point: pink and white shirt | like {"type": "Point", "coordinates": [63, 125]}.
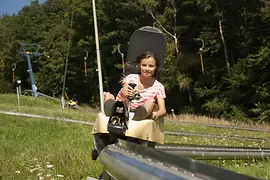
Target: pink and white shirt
{"type": "Point", "coordinates": [157, 90]}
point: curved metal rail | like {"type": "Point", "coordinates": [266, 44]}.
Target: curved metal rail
{"type": "Point", "coordinates": [217, 152]}
{"type": "Point", "coordinates": [46, 117]}
{"type": "Point", "coordinates": [50, 97]}
{"type": "Point", "coordinates": [172, 122]}
{"type": "Point", "coordinates": [210, 148]}
{"type": "Point", "coordinates": [194, 151]}
{"type": "Point", "coordinates": [221, 126]}
{"type": "Point", "coordinates": [166, 132]}
{"type": "Point", "coordinates": [126, 160]}
{"type": "Point", "coordinates": [224, 155]}
{"type": "Point", "coordinates": [53, 98]}
{"type": "Point", "coordinates": [215, 136]}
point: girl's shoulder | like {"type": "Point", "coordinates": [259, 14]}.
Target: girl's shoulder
{"type": "Point", "coordinates": [158, 84]}
{"type": "Point", "coordinates": [131, 77]}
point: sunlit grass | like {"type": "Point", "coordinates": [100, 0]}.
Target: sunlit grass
{"type": "Point", "coordinates": [255, 168]}
{"type": "Point", "coordinates": [33, 148]}
{"type": "Point", "coordinates": [210, 120]}
{"type": "Point", "coordinates": [42, 106]}
{"type": "Point", "coordinates": [220, 131]}
{"type": "Point", "coordinates": [214, 141]}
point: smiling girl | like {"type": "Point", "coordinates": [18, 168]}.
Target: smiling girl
{"type": "Point", "coordinates": [151, 103]}
{"type": "Point", "coordinates": [152, 92]}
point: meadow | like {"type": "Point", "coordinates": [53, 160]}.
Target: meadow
{"type": "Point", "coordinates": [34, 148]}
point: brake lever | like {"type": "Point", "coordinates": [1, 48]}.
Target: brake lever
{"type": "Point", "coordinates": [133, 85]}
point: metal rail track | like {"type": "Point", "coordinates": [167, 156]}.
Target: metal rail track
{"type": "Point", "coordinates": [46, 117]}
{"type": "Point", "coordinates": [126, 160]}
{"type": "Point", "coordinates": [49, 97]}
{"type": "Point", "coordinates": [176, 147]}
{"type": "Point", "coordinates": [221, 155]}
{"type": "Point", "coordinates": [53, 98]}
{"type": "Point", "coordinates": [215, 136]}
{"type": "Point", "coordinates": [194, 151]}
{"type": "Point", "coordinates": [221, 126]}
{"type": "Point", "coordinates": [216, 152]}
{"type": "Point", "coordinates": [172, 122]}
{"type": "Point", "coordinates": [166, 132]}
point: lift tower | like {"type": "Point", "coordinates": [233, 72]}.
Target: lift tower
{"type": "Point", "coordinates": [34, 51]}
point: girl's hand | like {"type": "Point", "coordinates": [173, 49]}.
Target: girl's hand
{"type": "Point", "coordinates": [155, 115]}
{"type": "Point", "coordinates": [129, 91]}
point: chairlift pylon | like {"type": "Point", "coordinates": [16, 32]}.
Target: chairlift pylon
{"type": "Point", "coordinates": [27, 54]}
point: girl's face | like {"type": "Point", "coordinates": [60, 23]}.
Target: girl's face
{"type": "Point", "coordinates": [148, 67]}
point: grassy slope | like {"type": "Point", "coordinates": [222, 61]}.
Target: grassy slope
{"type": "Point", "coordinates": [42, 106]}
{"type": "Point", "coordinates": [29, 146]}
{"type": "Point", "coordinates": [219, 131]}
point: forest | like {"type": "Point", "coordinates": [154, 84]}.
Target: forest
{"type": "Point", "coordinates": [217, 61]}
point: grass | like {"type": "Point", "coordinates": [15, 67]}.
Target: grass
{"type": "Point", "coordinates": [219, 131]}
{"type": "Point", "coordinates": [214, 141]}
{"type": "Point", "coordinates": [34, 148]}
{"type": "Point", "coordinates": [209, 120]}
{"type": "Point", "coordinates": [42, 106]}
{"type": "Point", "coordinates": [255, 168]}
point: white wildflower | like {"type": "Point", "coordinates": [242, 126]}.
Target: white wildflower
{"type": "Point", "coordinates": [32, 170]}
{"type": "Point", "coordinates": [49, 166]}
{"type": "Point", "coordinates": [48, 175]}
{"type": "Point", "coordinates": [39, 174]}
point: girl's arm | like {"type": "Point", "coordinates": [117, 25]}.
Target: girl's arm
{"type": "Point", "coordinates": [162, 109]}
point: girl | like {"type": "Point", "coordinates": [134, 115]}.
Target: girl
{"type": "Point", "coordinates": [151, 91]}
